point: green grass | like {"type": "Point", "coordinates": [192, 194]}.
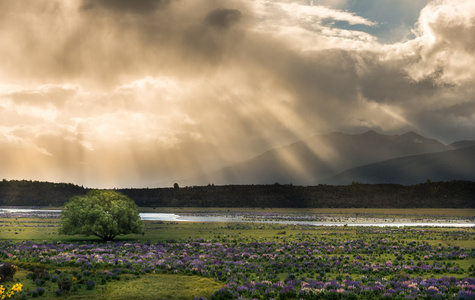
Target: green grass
{"type": "Point", "coordinates": [154, 231]}
{"type": "Point", "coordinates": [175, 286]}
{"type": "Point", "coordinates": [148, 286]}
{"type": "Point", "coordinates": [21, 229]}
{"type": "Point", "coordinates": [161, 286]}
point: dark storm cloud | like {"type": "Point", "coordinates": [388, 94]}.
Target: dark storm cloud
{"type": "Point", "coordinates": [126, 6]}
{"type": "Point", "coordinates": [388, 82]}
{"type": "Point", "coordinates": [435, 121]}
{"type": "Point", "coordinates": [326, 73]}
{"type": "Point", "coordinates": [98, 47]}
{"type": "Point", "coordinates": [321, 82]}
{"type": "Point", "coordinates": [223, 17]}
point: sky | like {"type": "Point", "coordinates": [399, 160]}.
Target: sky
{"type": "Point", "coordinates": [118, 93]}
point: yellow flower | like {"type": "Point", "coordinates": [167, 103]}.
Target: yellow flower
{"type": "Point", "coordinates": [74, 279]}
{"type": "Point", "coordinates": [17, 287]}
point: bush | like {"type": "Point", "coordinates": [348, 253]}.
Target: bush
{"type": "Point", "coordinates": [101, 213]}
{"type": "Point", "coordinates": [22, 296]}
{"type": "Point", "coordinates": [33, 293]}
{"type": "Point", "coordinates": [223, 294]}
{"type": "Point", "coordinates": [90, 284]}
{"type": "Point", "coordinates": [65, 284]}
{"type": "Point", "coordinates": [40, 291]}
{"type": "Point", "coordinates": [7, 271]}
{"type": "Point", "coordinates": [38, 273]}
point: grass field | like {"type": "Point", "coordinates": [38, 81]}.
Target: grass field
{"type": "Point", "coordinates": [207, 260]}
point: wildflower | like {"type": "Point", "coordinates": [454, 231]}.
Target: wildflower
{"type": "Point", "coordinates": [17, 287]}
{"type": "Point", "coordinates": [432, 290]}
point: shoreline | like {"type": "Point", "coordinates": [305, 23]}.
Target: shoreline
{"type": "Point", "coordinates": [315, 219]}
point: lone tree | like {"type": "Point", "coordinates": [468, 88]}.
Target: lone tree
{"type": "Point", "coordinates": [103, 213]}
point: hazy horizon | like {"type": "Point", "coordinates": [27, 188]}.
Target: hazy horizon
{"type": "Point", "coordinates": [117, 93]}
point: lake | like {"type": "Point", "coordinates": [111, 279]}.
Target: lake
{"type": "Point", "coordinates": [171, 217]}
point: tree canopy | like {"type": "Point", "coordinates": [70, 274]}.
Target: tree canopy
{"type": "Point", "coordinates": [102, 213]}
{"type": "Point", "coordinates": [449, 194]}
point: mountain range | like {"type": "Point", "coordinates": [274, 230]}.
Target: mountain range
{"type": "Point", "coordinates": [337, 158]}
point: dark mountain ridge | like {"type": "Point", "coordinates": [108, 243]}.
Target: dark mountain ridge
{"type": "Point", "coordinates": [311, 161]}
{"type": "Point", "coordinates": [429, 173]}
{"type": "Point", "coordinates": [458, 164]}
{"type": "Point", "coordinates": [462, 144]}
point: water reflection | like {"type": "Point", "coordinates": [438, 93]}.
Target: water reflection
{"type": "Point", "coordinates": [168, 217]}
{"type": "Point", "coordinates": [178, 218]}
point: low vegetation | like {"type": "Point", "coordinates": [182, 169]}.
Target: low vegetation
{"type": "Point", "coordinates": [239, 260]}
{"type": "Point", "coordinates": [102, 213]}
{"type": "Point", "coordinates": [453, 194]}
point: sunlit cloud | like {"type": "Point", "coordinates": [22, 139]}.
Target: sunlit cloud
{"type": "Point", "coordinates": [446, 44]}
{"type": "Point", "coordinates": [311, 14]}
{"type": "Point", "coordinates": [136, 93]}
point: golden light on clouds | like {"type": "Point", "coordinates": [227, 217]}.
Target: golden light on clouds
{"type": "Point", "coordinates": [111, 93]}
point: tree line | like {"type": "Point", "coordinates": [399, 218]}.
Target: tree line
{"type": "Point", "coordinates": [452, 194]}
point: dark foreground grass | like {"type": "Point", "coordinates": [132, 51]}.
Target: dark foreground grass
{"type": "Point", "coordinates": [163, 286]}
{"type": "Point", "coordinates": [148, 286]}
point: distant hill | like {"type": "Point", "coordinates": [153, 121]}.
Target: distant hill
{"type": "Point", "coordinates": [462, 144]}
{"type": "Point", "coordinates": [452, 194]}
{"type": "Point", "coordinates": [456, 164]}
{"type": "Point", "coordinates": [309, 161]}
{"type": "Point", "coordinates": [37, 193]}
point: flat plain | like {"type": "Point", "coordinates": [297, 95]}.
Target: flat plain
{"type": "Point", "coordinates": [214, 260]}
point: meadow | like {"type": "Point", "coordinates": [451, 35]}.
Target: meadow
{"type": "Point", "coordinates": [184, 260]}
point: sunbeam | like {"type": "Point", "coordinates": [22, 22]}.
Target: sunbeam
{"type": "Point", "coordinates": [116, 94]}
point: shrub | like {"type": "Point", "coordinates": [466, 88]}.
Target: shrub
{"type": "Point", "coordinates": [22, 296]}
{"type": "Point", "coordinates": [40, 291]}
{"type": "Point", "coordinates": [90, 284]}
{"type": "Point", "coordinates": [223, 294]}
{"type": "Point", "coordinates": [33, 293]}
{"type": "Point", "coordinates": [7, 271]}
{"type": "Point", "coordinates": [65, 284]}
{"type": "Point", "coordinates": [105, 214]}
{"type": "Point", "coordinates": [38, 273]}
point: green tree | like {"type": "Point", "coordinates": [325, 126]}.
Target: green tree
{"type": "Point", "coordinates": [103, 213]}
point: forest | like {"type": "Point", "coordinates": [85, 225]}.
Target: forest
{"type": "Point", "coordinates": [452, 194]}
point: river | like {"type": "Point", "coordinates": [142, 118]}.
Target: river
{"type": "Point", "coordinates": [170, 217]}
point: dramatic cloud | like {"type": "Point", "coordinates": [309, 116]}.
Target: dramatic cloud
{"type": "Point", "coordinates": [223, 17]}
{"type": "Point", "coordinates": [124, 6]}
{"type": "Point", "coordinates": [136, 93]}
